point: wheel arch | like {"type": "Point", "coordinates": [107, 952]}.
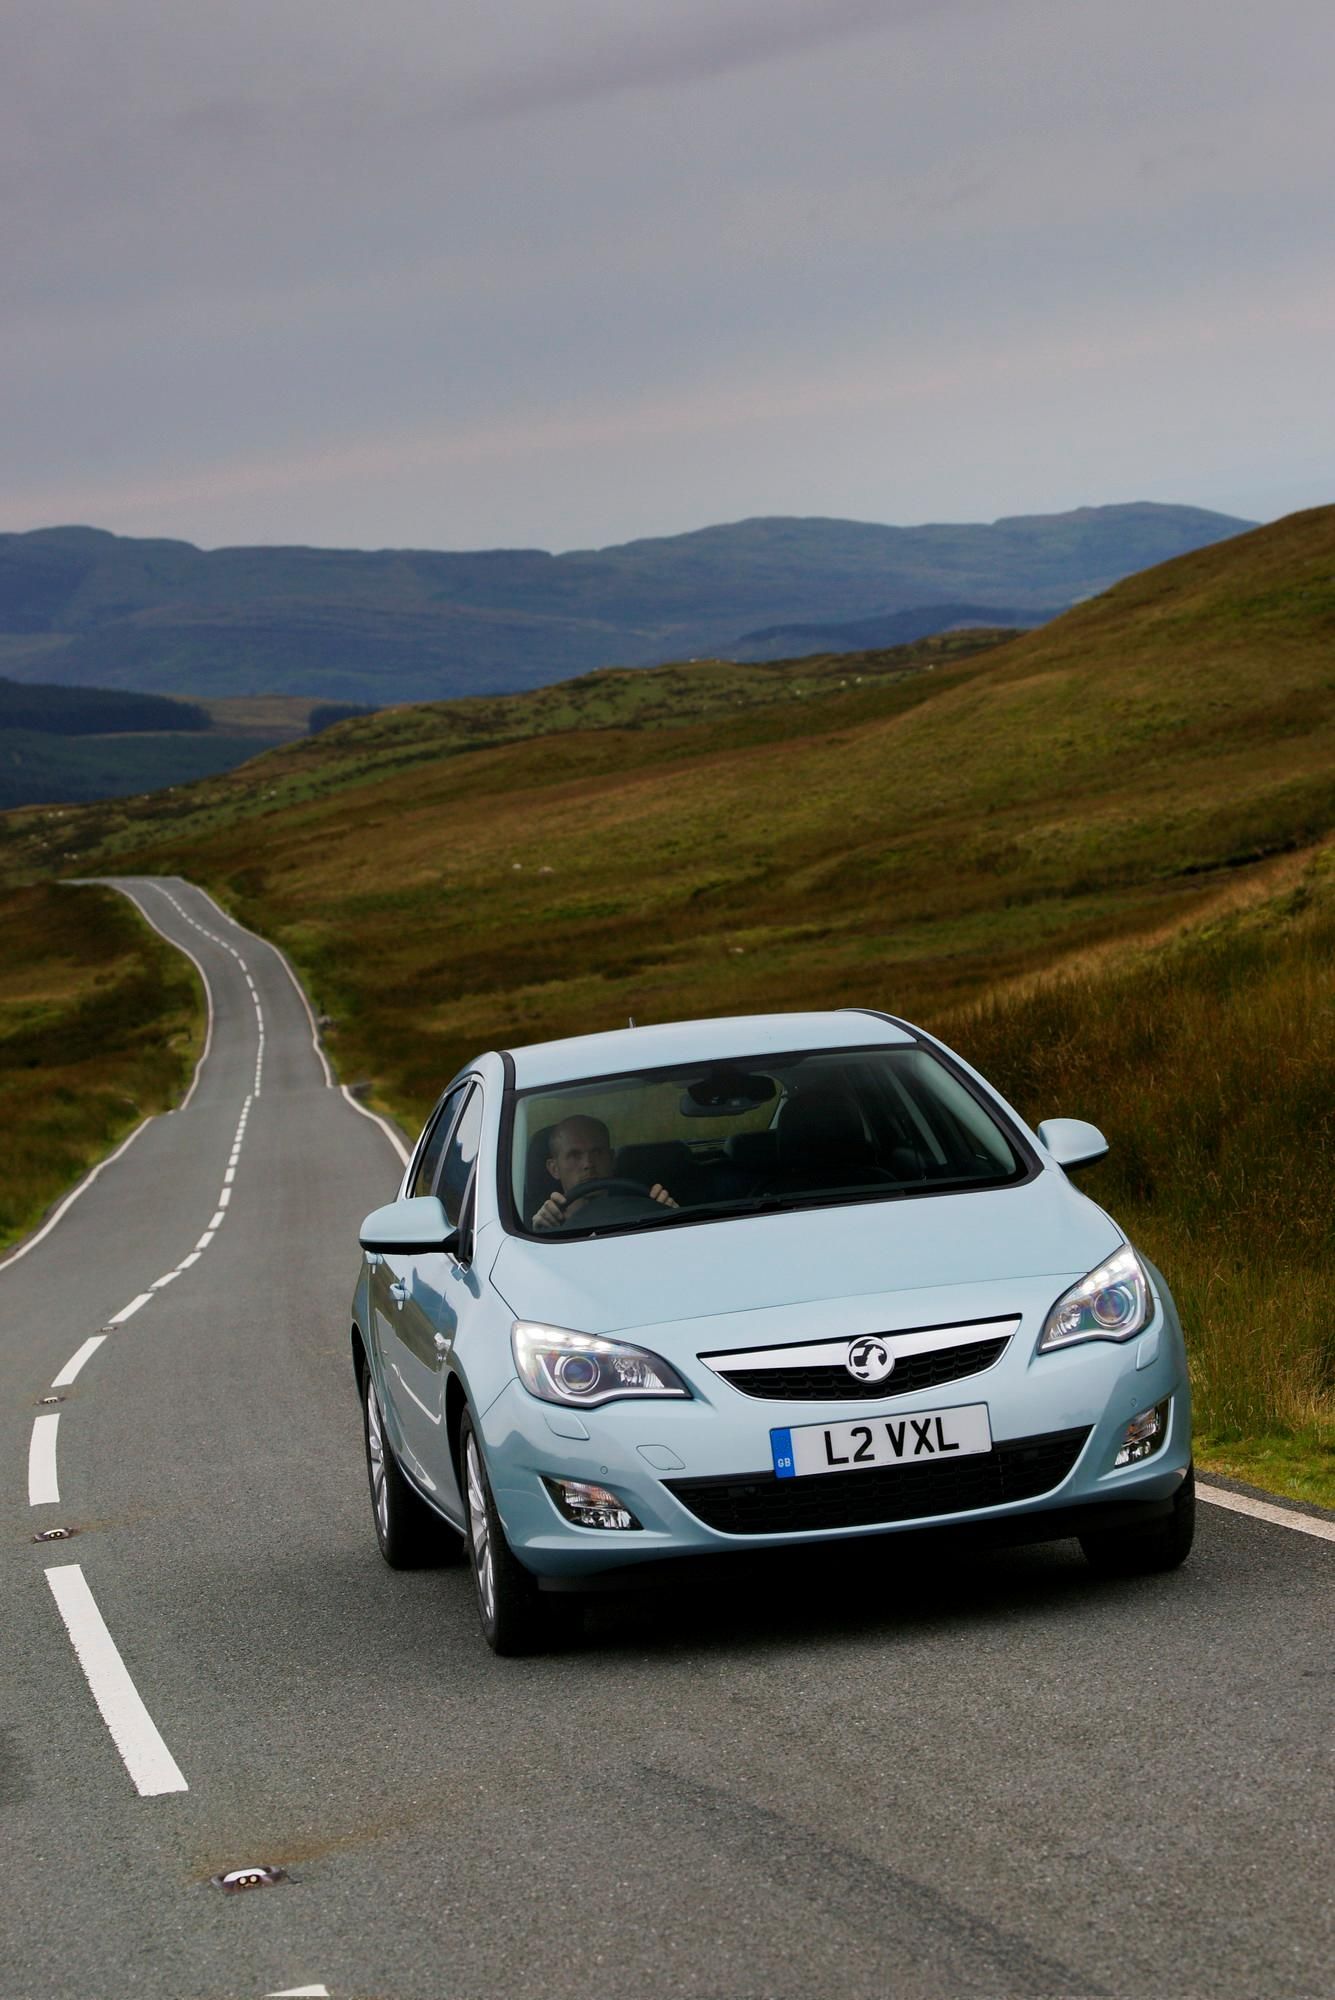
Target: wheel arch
{"type": "Point", "coordinates": [456, 1402]}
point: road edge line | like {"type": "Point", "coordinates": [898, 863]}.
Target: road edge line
{"type": "Point", "coordinates": [69, 1200]}
{"type": "Point", "coordinates": [1262, 1510]}
{"type": "Point", "coordinates": [383, 1123]}
{"type": "Point", "coordinates": [107, 882]}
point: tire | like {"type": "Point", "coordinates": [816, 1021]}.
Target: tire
{"type": "Point", "coordinates": [1148, 1551]}
{"type": "Point", "coordinates": [410, 1534]}
{"type": "Point", "coordinates": [515, 1616]}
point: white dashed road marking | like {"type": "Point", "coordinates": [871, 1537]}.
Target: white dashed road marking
{"type": "Point", "coordinates": [42, 1488]}
{"type": "Point", "coordinates": [119, 1319]}
{"type": "Point", "coordinates": [150, 1764]}
{"type": "Point", "coordinates": [71, 1369]}
{"type": "Point", "coordinates": [146, 1757]}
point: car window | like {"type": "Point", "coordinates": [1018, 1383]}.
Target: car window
{"type": "Point", "coordinates": [821, 1125]}
{"type": "Point", "coordinates": [425, 1175]}
{"type": "Point", "coordinates": [459, 1156]}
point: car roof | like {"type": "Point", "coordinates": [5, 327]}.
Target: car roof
{"type": "Point", "coordinates": [729, 1039]}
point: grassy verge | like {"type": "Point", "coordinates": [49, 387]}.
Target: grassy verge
{"type": "Point", "coordinates": [100, 1025]}
{"type": "Point", "coordinates": [1210, 1064]}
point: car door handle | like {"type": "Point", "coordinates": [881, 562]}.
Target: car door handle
{"type": "Point", "coordinates": [443, 1343]}
{"type": "Point", "coordinates": [398, 1290]}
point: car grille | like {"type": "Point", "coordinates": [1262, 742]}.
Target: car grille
{"type": "Point", "coordinates": [825, 1384]}
{"type": "Point", "coordinates": [1016, 1469]}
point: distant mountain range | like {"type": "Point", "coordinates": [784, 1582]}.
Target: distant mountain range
{"type": "Point", "coordinates": [80, 606]}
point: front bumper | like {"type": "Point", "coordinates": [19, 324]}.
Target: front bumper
{"type": "Point", "coordinates": [699, 1478]}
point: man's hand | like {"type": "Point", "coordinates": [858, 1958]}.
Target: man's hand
{"type": "Point", "coordinates": [552, 1214]}
{"type": "Point", "coordinates": [660, 1193]}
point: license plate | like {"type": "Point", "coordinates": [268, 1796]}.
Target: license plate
{"type": "Point", "coordinates": [908, 1440]}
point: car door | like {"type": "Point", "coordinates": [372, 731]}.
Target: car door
{"type": "Point", "coordinates": [445, 1289]}
{"type": "Point", "coordinates": [404, 1333]}
{"type": "Point", "coordinates": [434, 1289]}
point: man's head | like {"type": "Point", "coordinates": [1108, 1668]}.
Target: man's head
{"type": "Point", "coordinates": [579, 1150]}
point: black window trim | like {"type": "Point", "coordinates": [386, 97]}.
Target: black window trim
{"type": "Point", "coordinates": [465, 1220]}
{"type": "Point", "coordinates": [429, 1131]}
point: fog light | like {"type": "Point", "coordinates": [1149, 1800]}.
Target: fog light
{"type": "Point", "coordinates": [1144, 1434]}
{"type": "Point", "coordinates": [589, 1506]}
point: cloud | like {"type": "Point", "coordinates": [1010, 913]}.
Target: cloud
{"type": "Point", "coordinates": [869, 386]}
{"type": "Point", "coordinates": [255, 255]}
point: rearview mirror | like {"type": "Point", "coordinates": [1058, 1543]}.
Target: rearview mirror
{"type": "Point", "coordinates": [723, 1093]}
{"type": "Point", "coordinates": [1072, 1142]}
{"type": "Point", "coordinates": [417, 1224]}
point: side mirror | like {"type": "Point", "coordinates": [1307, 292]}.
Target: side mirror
{"type": "Point", "coordinates": [1072, 1142]}
{"type": "Point", "coordinates": [418, 1224]}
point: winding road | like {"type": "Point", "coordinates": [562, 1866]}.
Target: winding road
{"type": "Point", "coordinates": [1000, 1775]}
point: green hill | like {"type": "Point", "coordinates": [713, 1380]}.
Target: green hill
{"type": "Point", "coordinates": [1100, 857]}
{"type": "Point", "coordinates": [78, 605]}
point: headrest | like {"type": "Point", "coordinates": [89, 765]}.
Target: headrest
{"type": "Point", "coordinates": [754, 1152]}
{"type": "Point", "coordinates": [821, 1128]}
{"type": "Point", "coordinates": [538, 1183]}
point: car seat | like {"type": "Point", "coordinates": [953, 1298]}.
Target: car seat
{"type": "Point", "coordinates": [823, 1143]}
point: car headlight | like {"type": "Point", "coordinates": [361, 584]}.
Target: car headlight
{"type": "Point", "coordinates": [581, 1369]}
{"type": "Point", "coordinates": [1112, 1303]}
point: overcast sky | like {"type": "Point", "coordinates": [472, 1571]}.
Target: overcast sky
{"type": "Point", "coordinates": [562, 272]}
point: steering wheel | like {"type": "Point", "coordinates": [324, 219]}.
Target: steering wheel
{"type": "Point", "coordinates": [610, 1185]}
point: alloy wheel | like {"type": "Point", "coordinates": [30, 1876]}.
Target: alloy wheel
{"type": "Point", "coordinates": [479, 1531]}
{"type": "Point", "coordinates": [375, 1451]}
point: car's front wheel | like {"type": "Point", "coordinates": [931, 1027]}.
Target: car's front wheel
{"type": "Point", "coordinates": [516, 1617]}
{"type": "Point", "coordinates": [1161, 1545]}
{"type": "Point", "coordinates": [410, 1535]}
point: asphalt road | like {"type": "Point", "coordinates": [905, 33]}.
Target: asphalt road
{"type": "Point", "coordinates": [999, 1775]}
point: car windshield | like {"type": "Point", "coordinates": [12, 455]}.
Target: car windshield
{"type": "Point", "coordinates": [661, 1147]}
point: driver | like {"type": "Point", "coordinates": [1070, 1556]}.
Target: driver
{"type": "Point", "coordinates": [581, 1150]}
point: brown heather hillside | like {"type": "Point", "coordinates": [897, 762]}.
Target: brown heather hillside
{"type": "Point", "coordinates": [1105, 841]}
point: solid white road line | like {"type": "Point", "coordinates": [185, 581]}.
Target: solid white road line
{"type": "Point", "coordinates": [208, 990]}
{"type": "Point", "coordinates": [119, 1319]}
{"type": "Point", "coordinates": [146, 1757]}
{"type": "Point", "coordinates": [76, 1361]}
{"type": "Point", "coordinates": [376, 1119]}
{"type": "Point", "coordinates": [42, 1488]}
{"type": "Point", "coordinates": [71, 1198]}
{"type": "Point", "coordinates": [1261, 1510]}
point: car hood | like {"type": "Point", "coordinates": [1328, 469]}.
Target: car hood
{"type": "Point", "coordinates": [614, 1284]}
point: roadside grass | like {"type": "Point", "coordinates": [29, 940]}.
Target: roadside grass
{"type": "Point", "coordinates": [100, 1025]}
{"type": "Point", "coordinates": [1210, 1065]}
{"type": "Point", "coordinates": [1094, 857]}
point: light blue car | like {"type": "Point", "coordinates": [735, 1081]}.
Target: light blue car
{"type": "Point", "coordinates": [719, 1286]}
